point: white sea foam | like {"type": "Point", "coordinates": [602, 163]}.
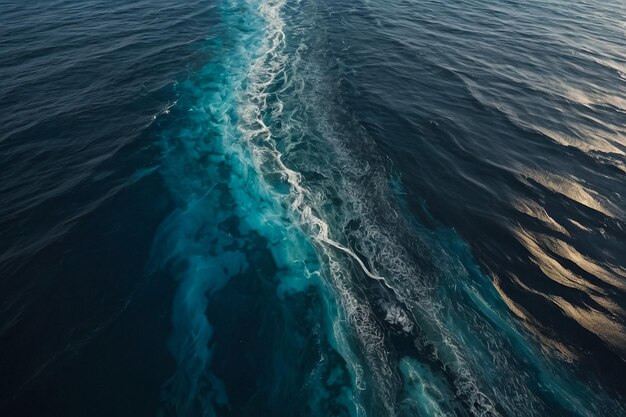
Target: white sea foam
{"type": "Point", "coordinates": [376, 245]}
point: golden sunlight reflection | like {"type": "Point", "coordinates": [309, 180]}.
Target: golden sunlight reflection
{"type": "Point", "coordinates": [572, 189]}
{"type": "Point", "coordinates": [605, 318]}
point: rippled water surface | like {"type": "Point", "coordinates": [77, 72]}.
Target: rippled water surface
{"type": "Point", "coordinates": [312, 208]}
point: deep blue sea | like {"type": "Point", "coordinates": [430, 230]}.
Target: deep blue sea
{"type": "Point", "coordinates": [324, 208]}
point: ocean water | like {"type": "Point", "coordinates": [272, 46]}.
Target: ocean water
{"type": "Point", "coordinates": [312, 208]}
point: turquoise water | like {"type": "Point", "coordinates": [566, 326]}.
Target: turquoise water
{"type": "Point", "coordinates": [329, 209]}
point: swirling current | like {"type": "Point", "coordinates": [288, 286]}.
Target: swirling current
{"type": "Point", "coordinates": [313, 208]}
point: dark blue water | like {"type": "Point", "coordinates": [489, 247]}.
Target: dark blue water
{"type": "Point", "coordinates": [312, 208]}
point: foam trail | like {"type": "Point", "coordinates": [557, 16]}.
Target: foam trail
{"type": "Point", "coordinates": [259, 136]}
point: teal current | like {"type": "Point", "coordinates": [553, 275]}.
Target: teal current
{"type": "Point", "coordinates": [233, 240]}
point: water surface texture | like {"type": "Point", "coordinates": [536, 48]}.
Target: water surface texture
{"type": "Point", "coordinates": [312, 208]}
